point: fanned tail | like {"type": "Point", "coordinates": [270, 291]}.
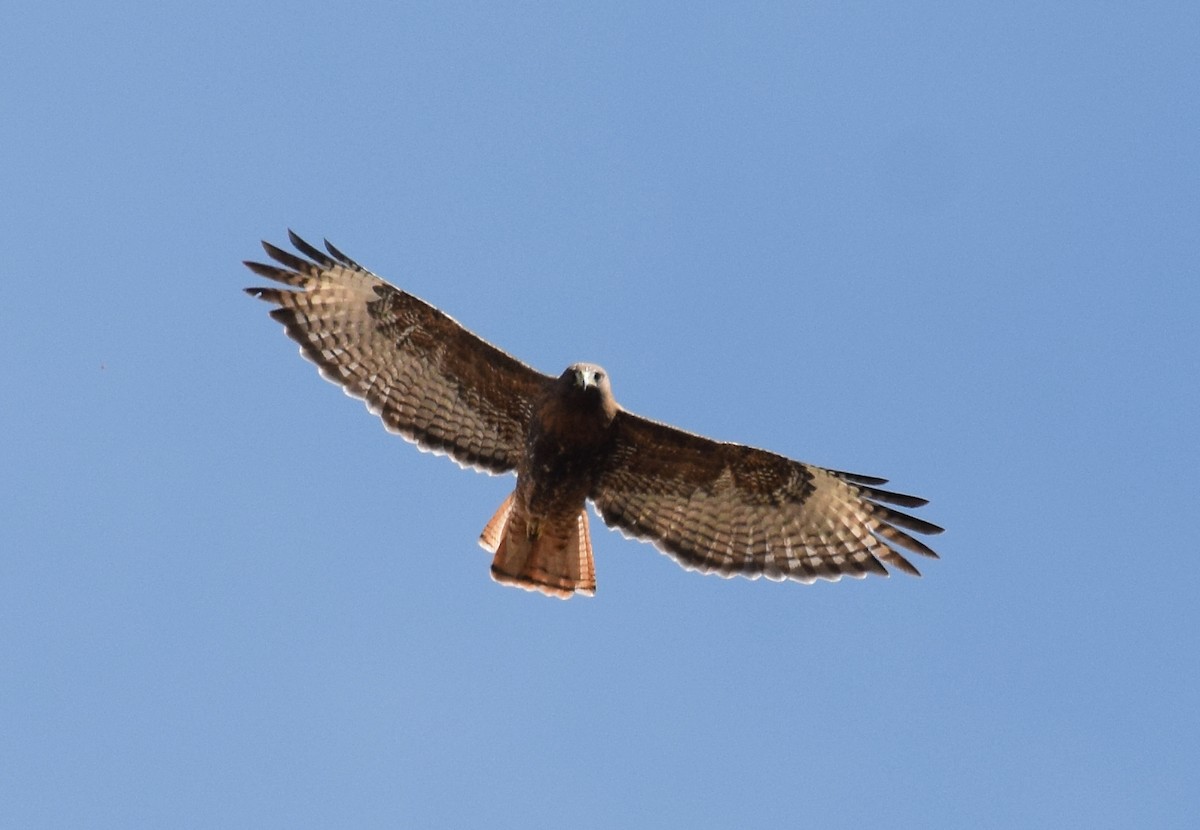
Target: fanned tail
{"type": "Point", "coordinates": [553, 557]}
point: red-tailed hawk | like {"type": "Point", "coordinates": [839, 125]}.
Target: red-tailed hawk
{"type": "Point", "coordinates": [713, 507]}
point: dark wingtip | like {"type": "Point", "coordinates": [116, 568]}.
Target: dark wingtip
{"type": "Point", "coordinates": [893, 536]}
{"type": "Point", "coordinates": [310, 251]}
{"type": "Point", "coordinates": [890, 497]}
{"type": "Point", "coordinates": [856, 478]}
{"type": "Point", "coordinates": [336, 254]}
{"type": "Point", "coordinates": [270, 295]}
{"type": "Point", "coordinates": [898, 562]}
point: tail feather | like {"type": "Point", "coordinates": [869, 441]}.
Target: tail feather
{"type": "Point", "coordinates": [554, 557]}
{"type": "Point", "coordinates": [493, 534]}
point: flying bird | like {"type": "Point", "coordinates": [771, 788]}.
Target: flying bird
{"type": "Point", "coordinates": [714, 507]}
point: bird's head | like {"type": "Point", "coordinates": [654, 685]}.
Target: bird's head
{"type": "Point", "coordinates": [588, 382]}
{"type": "Point", "coordinates": [583, 377]}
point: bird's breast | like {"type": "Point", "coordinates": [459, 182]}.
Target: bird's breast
{"type": "Point", "coordinates": [564, 453]}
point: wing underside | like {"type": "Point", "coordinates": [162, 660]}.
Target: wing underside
{"type": "Point", "coordinates": [426, 376]}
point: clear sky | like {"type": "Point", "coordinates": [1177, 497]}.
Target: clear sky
{"type": "Point", "coordinates": [956, 247]}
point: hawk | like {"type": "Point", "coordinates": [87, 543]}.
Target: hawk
{"type": "Point", "coordinates": [714, 507]}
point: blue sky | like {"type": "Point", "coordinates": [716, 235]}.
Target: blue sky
{"type": "Point", "coordinates": [953, 246]}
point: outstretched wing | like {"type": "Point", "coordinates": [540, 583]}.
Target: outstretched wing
{"type": "Point", "coordinates": [422, 373]}
{"type": "Point", "coordinates": [735, 510]}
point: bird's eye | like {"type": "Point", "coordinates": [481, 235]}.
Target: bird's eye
{"type": "Point", "coordinates": [598, 376]}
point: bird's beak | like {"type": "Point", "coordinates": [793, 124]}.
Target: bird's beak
{"type": "Point", "coordinates": [584, 379]}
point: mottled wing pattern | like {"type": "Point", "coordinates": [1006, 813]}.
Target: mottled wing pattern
{"type": "Point", "coordinates": [423, 374]}
{"type": "Point", "coordinates": [735, 510]}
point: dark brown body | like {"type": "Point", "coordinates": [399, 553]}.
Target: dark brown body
{"type": "Point", "coordinates": [540, 533]}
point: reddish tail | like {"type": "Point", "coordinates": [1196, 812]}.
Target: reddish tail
{"type": "Point", "coordinates": [551, 556]}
